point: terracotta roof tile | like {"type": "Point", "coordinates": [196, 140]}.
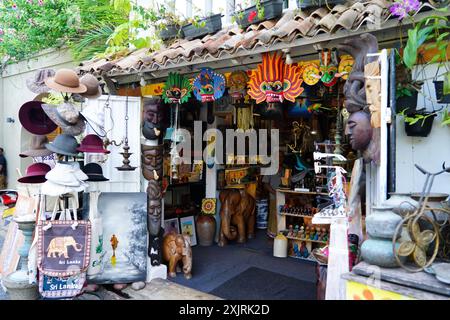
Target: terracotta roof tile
{"type": "Point", "coordinates": [292, 25]}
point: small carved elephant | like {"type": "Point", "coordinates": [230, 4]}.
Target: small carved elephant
{"type": "Point", "coordinates": [176, 248]}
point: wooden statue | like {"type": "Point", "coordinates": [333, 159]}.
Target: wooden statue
{"type": "Point", "coordinates": [237, 214]}
{"type": "Point", "coordinates": [176, 248]}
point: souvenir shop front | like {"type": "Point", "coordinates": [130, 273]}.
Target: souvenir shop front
{"type": "Point", "coordinates": [244, 176]}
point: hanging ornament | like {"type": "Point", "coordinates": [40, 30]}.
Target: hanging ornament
{"type": "Point", "coordinates": [177, 88]}
{"type": "Point", "coordinates": [209, 85]}
{"type": "Point", "coordinates": [345, 66]}
{"type": "Point", "coordinates": [274, 80]}
{"type": "Point", "coordinates": [237, 83]}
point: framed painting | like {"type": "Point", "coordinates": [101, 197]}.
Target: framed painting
{"type": "Point", "coordinates": [171, 225]}
{"type": "Point", "coordinates": [188, 228]}
{"type": "Point", "coordinates": [124, 240]}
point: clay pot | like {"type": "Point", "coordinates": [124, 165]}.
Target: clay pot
{"type": "Point", "coordinates": [382, 222]}
{"type": "Point", "coordinates": [379, 252]}
{"type": "Point", "coordinates": [401, 203]}
{"type": "Point", "coordinates": [206, 228]}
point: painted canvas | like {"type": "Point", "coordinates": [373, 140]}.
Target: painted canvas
{"type": "Point", "coordinates": [124, 217]}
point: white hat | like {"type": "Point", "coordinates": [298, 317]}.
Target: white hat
{"type": "Point", "coordinates": [66, 174]}
{"type": "Point", "coordinates": [50, 188]}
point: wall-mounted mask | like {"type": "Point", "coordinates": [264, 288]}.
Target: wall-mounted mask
{"type": "Point", "coordinates": [154, 206]}
{"type": "Point", "coordinates": [177, 89]}
{"type": "Point", "coordinates": [329, 71]}
{"type": "Point", "coordinates": [274, 80]}
{"type": "Point", "coordinates": [152, 125]}
{"type": "Point", "coordinates": [209, 85]}
{"type": "Point", "coordinates": [237, 83]}
{"type": "Point", "coordinates": [152, 162]}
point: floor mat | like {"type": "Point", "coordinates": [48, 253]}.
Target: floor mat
{"type": "Point", "coordinates": [259, 284]}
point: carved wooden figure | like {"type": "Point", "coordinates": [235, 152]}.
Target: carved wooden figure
{"type": "Point", "coordinates": [176, 248]}
{"type": "Point", "coordinates": [237, 214]}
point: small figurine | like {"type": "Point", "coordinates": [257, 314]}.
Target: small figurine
{"type": "Point", "coordinates": [307, 232]}
{"type": "Point", "coordinates": [316, 236]}
{"type": "Point", "coordinates": [291, 231]}
{"type": "Point", "coordinates": [312, 234]}
{"type": "Point", "coordinates": [296, 250]}
{"type": "Point", "coordinates": [325, 236]}
{"type": "Point", "coordinates": [301, 233]}
{"type": "Point", "coordinates": [322, 232]}
{"type": "Point", "coordinates": [296, 230]}
{"type": "Point", "coordinates": [304, 250]}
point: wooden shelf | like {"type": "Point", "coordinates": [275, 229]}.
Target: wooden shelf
{"type": "Point", "coordinates": [302, 192]}
{"type": "Point", "coordinates": [306, 240]}
{"type": "Point", "coordinates": [295, 215]}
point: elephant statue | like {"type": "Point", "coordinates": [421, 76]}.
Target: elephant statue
{"type": "Point", "coordinates": [237, 214]}
{"type": "Point", "coordinates": [60, 246]}
{"type": "Point", "coordinates": [176, 248]}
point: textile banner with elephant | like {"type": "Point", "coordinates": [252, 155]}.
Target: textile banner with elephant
{"type": "Point", "coordinates": [63, 247]}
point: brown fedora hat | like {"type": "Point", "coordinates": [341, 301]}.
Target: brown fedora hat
{"type": "Point", "coordinates": [93, 86]}
{"type": "Point", "coordinates": [37, 147]}
{"type": "Point", "coordinates": [66, 80]}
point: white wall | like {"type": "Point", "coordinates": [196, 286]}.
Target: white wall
{"type": "Point", "coordinates": [429, 152]}
{"type": "Point", "coordinates": [13, 93]}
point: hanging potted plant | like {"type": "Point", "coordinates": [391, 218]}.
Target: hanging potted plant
{"type": "Point", "coordinates": [304, 4]}
{"type": "Point", "coordinates": [197, 26]}
{"type": "Point", "coordinates": [418, 123]}
{"type": "Point", "coordinates": [262, 10]}
{"type": "Point", "coordinates": [406, 89]}
{"type": "Point", "coordinates": [442, 88]}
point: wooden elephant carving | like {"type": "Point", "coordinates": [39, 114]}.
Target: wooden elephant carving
{"type": "Point", "coordinates": [176, 248]}
{"type": "Point", "coordinates": [237, 214]}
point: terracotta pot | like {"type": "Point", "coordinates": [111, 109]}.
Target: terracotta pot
{"type": "Point", "coordinates": [206, 228]}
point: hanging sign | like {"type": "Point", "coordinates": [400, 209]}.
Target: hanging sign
{"type": "Point", "coordinates": [274, 80]}
{"type": "Point", "coordinates": [209, 85]}
{"type": "Point", "coordinates": [177, 89]}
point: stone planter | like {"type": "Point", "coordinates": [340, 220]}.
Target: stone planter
{"type": "Point", "coordinates": [272, 9]}
{"type": "Point", "coordinates": [20, 289]}
{"type": "Point", "coordinates": [382, 222]}
{"type": "Point", "coordinates": [213, 24]}
{"type": "Point", "coordinates": [206, 229]}
{"type": "Point", "coordinates": [171, 32]}
{"type": "Point", "coordinates": [401, 203]}
{"type": "Point", "coordinates": [379, 252]}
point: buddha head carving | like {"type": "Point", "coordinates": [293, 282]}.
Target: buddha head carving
{"type": "Point", "coordinates": [151, 128]}
{"type": "Point", "coordinates": [359, 130]}
{"type": "Point", "coordinates": [153, 207]}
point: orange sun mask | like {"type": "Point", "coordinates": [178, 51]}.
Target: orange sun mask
{"type": "Point", "coordinates": [275, 80]}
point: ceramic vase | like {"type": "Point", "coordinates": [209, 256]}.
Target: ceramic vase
{"type": "Point", "coordinates": [206, 228]}
{"type": "Point", "coordinates": [382, 222]}
{"type": "Point", "coordinates": [401, 203]}
{"type": "Point", "coordinates": [379, 252]}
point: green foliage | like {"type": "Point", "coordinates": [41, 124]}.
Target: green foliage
{"type": "Point", "coordinates": [42, 24]}
{"type": "Point", "coordinates": [416, 117]}
{"type": "Point", "coordinates": [445, 118]}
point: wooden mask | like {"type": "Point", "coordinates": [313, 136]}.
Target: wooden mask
{"type": "Point", "coordinates": [209, 85]}
{"type": "Point", "coordinates": [177, 89]}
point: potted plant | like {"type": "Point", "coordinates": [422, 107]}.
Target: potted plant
{"type": "Point", "coordinates": [197, 27]}
{"type": "Point", "coordinates": [418, 123]}
{"type": "Point", "coordinates": [262, 10]}
{"type": "Point", "coordinates": [167, 23]}
{"type": "Point", "coordinates": [442, 89]}
{"type": "Point", "coordinates": [406, 89]}
{"type": "Point", "coordinates": [303, 4]}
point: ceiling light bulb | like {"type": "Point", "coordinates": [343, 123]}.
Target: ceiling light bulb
{"type": "Point", "coordinates": [142, 82]}
{"type": "Point", "coordinates": [289, 59]}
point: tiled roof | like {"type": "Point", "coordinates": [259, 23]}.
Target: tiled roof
{"type": "Point", "coordinates": [230, 40]}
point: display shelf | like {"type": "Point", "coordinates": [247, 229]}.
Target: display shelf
{"type": "Point", "coordinates": [295, 215]}
{"type": "Point", "coordinates": [306, 240]}
{"type": "Point", "coordinates": [302, 192]}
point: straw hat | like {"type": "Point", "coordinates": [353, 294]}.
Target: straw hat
{"type": "Point", "coordinates": [66, 116]}
{"type": "Point", "coordinates": [66, 80]}
{"type": "Point", "coordinates": [37, 147]}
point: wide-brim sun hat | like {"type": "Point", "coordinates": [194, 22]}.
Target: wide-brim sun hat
{"type": "Point", "coordinates": [36, 84]}
{"type": "Point", "coordinates": [67, 174]}
{"type": "Point", "coordinates": [35, 173]}
{"type": "Point", "coordinates": [34, 119]}
{"type": "Point", "coordinates": [66, 116]}
{"type": "Point", "coordinates": [52, 189]}
{"type": "Point", "coordinates": [64, 144]}
{"type": "Point", "coordinates": [37, 147]}
{"type": "Point", "coordinates": [66, 80]}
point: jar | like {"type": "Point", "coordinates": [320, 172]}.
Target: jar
{"type": "Point", "coordinates": [206, 229]}
{"type": "Point", "coordinates": [401, 203]}
{"type": "Point", "coordinates": [280, 246]}
{"type": "Point", "coordinates": [382, 222]}
{"type": "Point", "coordinates": [379, 252]}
